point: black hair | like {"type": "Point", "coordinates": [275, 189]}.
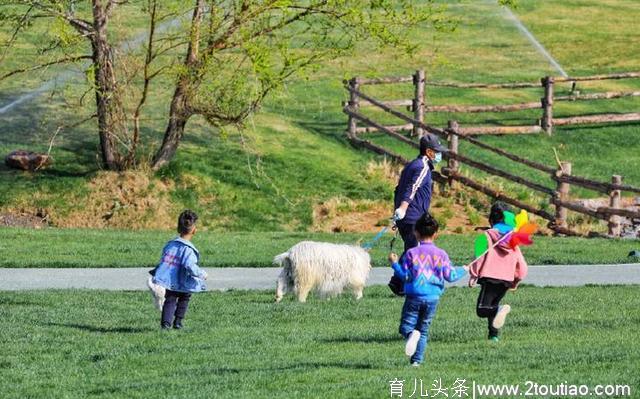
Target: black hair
{"type": "Point", "coordinates": [427, 226]}
{"type": "Point", "coordinates": [186, 221]}
{"type": "Point", "coordinates": [496, 215]}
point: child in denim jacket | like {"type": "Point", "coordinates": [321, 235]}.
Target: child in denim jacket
{"type": "Point", "coordinates": [179, 273]}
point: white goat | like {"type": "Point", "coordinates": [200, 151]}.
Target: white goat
{"type": "Point", "coordinates": [326, 267]}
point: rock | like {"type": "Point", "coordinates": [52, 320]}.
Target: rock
{"type": "Point", "coordinates": [27, 160]}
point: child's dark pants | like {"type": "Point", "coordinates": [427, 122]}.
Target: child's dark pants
{"type": "Point", "coordinates": [491, 294]}
{"type": "Point", "coordinates": [410, 240]}
{"type": "Point", "coordinates": [175, 307]}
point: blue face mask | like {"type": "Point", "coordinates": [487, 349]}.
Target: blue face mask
{"type": "Point", "coordinates": [437, 159]}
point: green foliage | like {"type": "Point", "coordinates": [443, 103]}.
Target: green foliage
{"type": "Point", "coordinates": [239, 344]}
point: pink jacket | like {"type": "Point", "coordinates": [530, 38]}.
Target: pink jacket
{"type": "Point", "coordinates": [501, 263]}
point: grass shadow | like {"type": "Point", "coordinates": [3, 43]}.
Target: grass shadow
{"type": "Point", "coordinates": [364, 339]}
{"type": "Point", "coordinates": [103, 330]}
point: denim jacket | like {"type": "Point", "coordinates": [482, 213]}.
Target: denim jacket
{"type": "Point", "coordinates": [178, 269]}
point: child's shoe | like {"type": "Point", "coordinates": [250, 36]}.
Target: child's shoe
{"type": "Point", "coordinates": [498, 321]}
{"type": "Point", "coordinates": [494, 338]}
{"type": "Point", "coordinates": [412, 343]}
{"type": "Point", "coordinates": [415, 364]}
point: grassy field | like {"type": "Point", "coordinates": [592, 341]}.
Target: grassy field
{"type": "Point", "coordinates": [69, 344]}
{"type": "Point", "coordinates": [113, 248]}
{"type": "Point", "coordinates": [293, 154]}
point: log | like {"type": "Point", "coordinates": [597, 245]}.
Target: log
{"type": "Point", "coordinates": [627, 213]}
{"type": "Point", "coordinates": [394, 128]}
{"type": "Point", "coordinates": [623, 75]}
{"type": "Point", "coordinates": [579, 208]}
{"type": "Point", "coordinates": [482, 85]}
{"type": "Point", "coordinates": [389, 103]}
{"type": "Point", "coordinates": [391, 79]}
{"type": "Point", "coordinates": [547, 105]}
{"type": "Point", "coordinates": [498, 130]}
{"type": "Point", "coordinates": [562, 192]}
{"type": "Point", "coordinates": [497, 195]}
{"type": "Point", "coordinates": [598, 96]}
{"type": "Point", "coordinates": [453, 150]}
{"type": "Point", "coordinates": [381, 128]}
{"type": "Point", "coordinates": [377, 149]}
{"type": "Point", "coordinates": [418, 101]}
{"type": "Point", "coordinates": [353, 103]}
{"type": "Point", "coordinates": [601, 118]}
{"type": "Point", "coordinates": [614, 225]}
{"type": "Point", "coordinates": [595, 185]}
{"type": "Point", "coordinates": [482, 108]}
{"type": "Point", "coordinates": [497, 172]}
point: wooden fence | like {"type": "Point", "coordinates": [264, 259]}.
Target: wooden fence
{"type": "Point", "coordinates": [561, 176]}
{"type": "Point", "coordinates": [546, 122]}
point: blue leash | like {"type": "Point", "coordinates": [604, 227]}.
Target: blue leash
{"type": "Point", "coordinates": [378, 236]}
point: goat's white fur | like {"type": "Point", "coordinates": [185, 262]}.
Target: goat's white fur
{"type": "Point", "coordinates": [157, 293]}
{"type": "Point", "coordinates": [325, 267]}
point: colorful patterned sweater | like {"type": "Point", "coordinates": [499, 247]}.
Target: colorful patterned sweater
{"type": "Point", "coordinates": [424, 270]}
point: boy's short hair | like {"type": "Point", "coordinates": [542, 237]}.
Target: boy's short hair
{"type": "Point", "coordinates": [496, 215]}
{"type": "Point", "coordinates": [187, 221]}
{"type": "Point", "coordinates": [427, 226]}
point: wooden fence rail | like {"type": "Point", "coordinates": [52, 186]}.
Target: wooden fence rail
{"type": "Point", "coordinates": [562, 176]}
{"type": "Point", "coordinates": [418, 105]}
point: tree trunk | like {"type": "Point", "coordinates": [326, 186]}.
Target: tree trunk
{"type": "Point", "coordinates": [179, 112]}
{"type": "Point", "coordinates": [178, 117]}
{"type": "Point", "coordinates": [109, 110]}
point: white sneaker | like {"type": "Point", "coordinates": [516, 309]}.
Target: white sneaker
{"type": "Point", "coordinates": [498, 321]}
{"type": "Point", "coordinates": [415, 364]}
{"type": "Point", "coordinates": [157, 292]}
{"type": "Point", "coordinates": [412, 343]}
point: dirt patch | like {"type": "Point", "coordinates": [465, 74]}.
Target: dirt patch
{"type": "Point", "coordinates": [340, 215]}
{"type": "Point", "coordinates": [131, 200]}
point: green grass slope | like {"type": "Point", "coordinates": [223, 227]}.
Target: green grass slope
{"type": "Point", "coordinates": [293, 154]}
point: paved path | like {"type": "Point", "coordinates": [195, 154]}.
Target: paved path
{"type": "Point", "coordinates": [264, 278]}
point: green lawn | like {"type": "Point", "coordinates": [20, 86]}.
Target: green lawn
{"type": "Point", "coordinates": [293, 154]}
{"type": "Point", "coordinates": [70, 344]}
{"type": "Point", "coordinates": [114, 248]}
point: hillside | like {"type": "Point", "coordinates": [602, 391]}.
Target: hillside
{"type": "Point", "coordinates": [292, 161]}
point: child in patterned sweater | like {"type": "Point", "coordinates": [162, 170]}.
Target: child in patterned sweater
{"type": "Point", "coordinates": [424, 270]}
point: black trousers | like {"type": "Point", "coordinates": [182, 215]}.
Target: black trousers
{"type": "Point", "coordinates": [410, 240]}
{"type": "Point", "coordinates": [174, 308]}
{"type": "Point", "coordinates": [491, 293]}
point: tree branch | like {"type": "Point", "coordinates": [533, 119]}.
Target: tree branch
{"type": "Point", "coordinates": [46, 64]}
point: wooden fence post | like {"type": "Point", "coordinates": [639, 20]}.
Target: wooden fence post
{"type": "Point", "coordinates": [562, 192]}
{"type": "Point", "coordinates": [615, 226]}
{"type": "Point", "coordinates": [547, 105]}
{"type": "Point", "coordinates": [453, 149]}
{"type": "Point", "coordinates": [354, 104]}
{"type": "Point", "coordinates": [418, 101]}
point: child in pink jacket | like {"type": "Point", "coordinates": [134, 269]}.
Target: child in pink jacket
{"type": "Point", "coordinates": [501, 269]}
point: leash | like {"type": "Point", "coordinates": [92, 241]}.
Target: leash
{"type": "Point", "coordinates": [378, 236]}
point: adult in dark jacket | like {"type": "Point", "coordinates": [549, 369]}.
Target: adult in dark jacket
{"type": "Point", "coordinates": [412, 196]}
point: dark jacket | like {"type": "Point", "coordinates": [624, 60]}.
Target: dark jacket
{"type": "Point", "coordinates": [415, 188]}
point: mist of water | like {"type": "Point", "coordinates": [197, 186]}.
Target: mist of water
{"type": "Point", "coordinates": [532, 39]}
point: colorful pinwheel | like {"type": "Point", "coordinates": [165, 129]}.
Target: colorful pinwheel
{"type": "Point", "coordinates": [516, 228]}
